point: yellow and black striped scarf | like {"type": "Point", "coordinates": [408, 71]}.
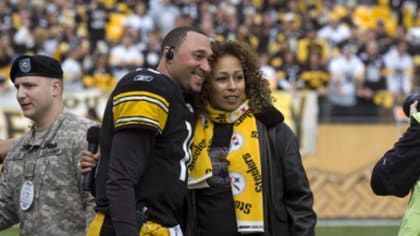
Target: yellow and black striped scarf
{"type": "Point", "coordinates": [244, 163]}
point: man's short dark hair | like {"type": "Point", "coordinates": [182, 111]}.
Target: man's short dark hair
{"type": "Point", "coordinates": [175, 37]}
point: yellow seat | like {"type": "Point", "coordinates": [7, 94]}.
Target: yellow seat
{"type": "Point", "coordinates": [115, 26]}
{"type": "Point", "coordinates": [381, 12]}
{"type": "Point", "coordinates": [362, 17]}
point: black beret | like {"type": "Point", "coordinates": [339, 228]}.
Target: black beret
{"type": "Point", "coordinates": [37, 65]}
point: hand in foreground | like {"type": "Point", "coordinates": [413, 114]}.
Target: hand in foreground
{"type": "Point", "coordinates": [88, 161]}
{"type": "Point", "coordinates": [5, 146]}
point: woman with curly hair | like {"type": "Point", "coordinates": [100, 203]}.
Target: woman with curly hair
{"type": "Point", "coordinates": [246, 173]}
{"type": "Point", "coordinates": [257, 87]}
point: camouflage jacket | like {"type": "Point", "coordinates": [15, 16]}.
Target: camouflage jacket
{"type": "Point", "coordinates": [51, 163]}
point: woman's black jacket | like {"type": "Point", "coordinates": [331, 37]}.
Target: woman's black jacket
{"type": "Point", "coordinates": [288, 199]}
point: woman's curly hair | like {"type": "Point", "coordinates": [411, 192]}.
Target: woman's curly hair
{"type": "Point", "coordinates": [257, 88]}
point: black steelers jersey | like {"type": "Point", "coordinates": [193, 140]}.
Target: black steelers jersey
{"type": "Point", "coordinates": [314, 78]}
{"type": "Point", "coordinates": [146, 99]}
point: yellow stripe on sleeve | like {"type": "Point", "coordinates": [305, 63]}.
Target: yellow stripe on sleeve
{"type": "Point", "coordinates": [140, 108]}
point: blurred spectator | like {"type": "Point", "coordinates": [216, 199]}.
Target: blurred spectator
{"type": "Point", "coordinates": [7, 55]}
{"type": "Point", "coordinates": [334, 32]}
{"type": "Point", "coordinates": [290, 33]}
{"type": "Point", "coordinates": [295, 8]}
{"type": "Point", "coordinates": [413, 38]}
{"type": "Point", "coordinates": [396, 5]}
{"type": "Point", "coordinates": [266, 31]}
{"type": "Point", "coordinates": [23, 39]}
{"type": "Point", "coordinates": [184, 20]}
{"type": "Point", "coordinates": [151, 51]}
{"type": "Point", "coordinates": [39, 14]}
{"type": "Point", "coordinates": [269, 72]}
{"type": "Point", "coordinates": [40, 36]}
{"type": "Point", "coordinates": [310, 43]}
{"type": "Point", "coordinates": [347, 17]}
{"type": "Point", "coordinates": [125, 56]}
{"type": "Point", "coordinates": [68, 39]}
{"type": "Point", "coordinates": [140, 20]}
{"type": "Point", "coordinates": [206, 24]}
{"type": "Point", "coordinates": [374, 81]}
{"type": "Point", "coordinates": [97, 19]}
{"type": "Point", "coordinates": [164, 14]}
{"type": "Point", "coordinates": [226, 21]}
{"type": "Point", "coordinates": [310, 96]}
{"type": "Point", "coordinates": [346, 73]}
{"type": "Point", "coordinates": [413, 35]}
{"type": "Point", "coordinates": [288, 72]}
{"type": "Point", "coordinates": [5, 17]}
{"type": "Point", "coordinates": [356, 39]}
{"type": "Point", "coordinates": [399, 66]}
{"type": "Point", "coordinates": [7, 93]}
{"type": "Point", "coordinates": [206, 11]}
{"type": "Point", "coordinates": [365, 36]}
{"type": "Point", "coordinates": [52, 41]}
{"type": "Point", "coordinates": [72, 70]}
{"type": "Point", "coordinates": [189, 8]}
{"type": "Point", "coordinates": [100, 75]}
{"type": "Point", "coordinates": [67, 12]}
{"type": "Point", "coordinates": [255, 33]}
{"type": "Point", "coordinates": [382, 37]}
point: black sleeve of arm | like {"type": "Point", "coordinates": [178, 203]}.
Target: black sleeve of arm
{"type": "Point", "coordinates": [298, 196]}
{"type": "Point", "coordinates": [398, 170]}
{"type": "Point", "coordinates": [130, 152]}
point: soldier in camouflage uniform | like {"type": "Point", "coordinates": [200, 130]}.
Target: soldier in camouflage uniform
{"type": "Point", "coordinates": [40, 184]}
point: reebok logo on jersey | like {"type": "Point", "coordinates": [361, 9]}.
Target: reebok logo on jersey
{"type": "Point", "coordinates": [145, 78]}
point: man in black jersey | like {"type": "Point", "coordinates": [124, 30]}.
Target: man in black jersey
{"type": "Point", "coordinates": [145, 140]}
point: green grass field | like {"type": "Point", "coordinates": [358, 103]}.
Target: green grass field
{"type": "Point", "coordinates": [10, 232]}
{"type": "Point", "coordinates": [357, 231]}
{"type": "Point", "coordinates": [320, 231]}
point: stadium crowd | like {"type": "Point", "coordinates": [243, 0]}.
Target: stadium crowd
{"type": "Point", "coordinates": [356, 57]}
